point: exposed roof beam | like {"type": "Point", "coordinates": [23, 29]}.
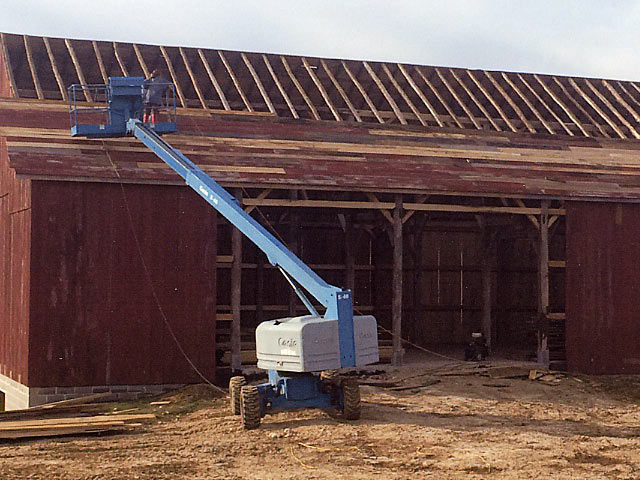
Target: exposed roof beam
{"type": "Point", "coordinates": [475, 100]}
{"type": "Point", "coordinates": [562, 105]}
{"type": "Point", "coordinates": [579, 107]}
{"type": "Point", "coordinates": [78, 68]}
{"type": "Point", "coordinates": [341, 91]}
{"type": "Point", "coordinates": [492, 101]}
{"type": "Point", "coordinates": [321, 89]}
{"type": "Point", "coordinates": [528, 103]}
{"type": "Point", "coordinates": [235, 81]}
{"type": "Point", "coordinates": [256, 79]}
{"type": "Point", "coordinates": [304, 95]}
{"type": "Point", "coordinates": [403, 94]}
{"type": "Point", "coordinates": [622, 101]}
{"type": "Point", "coordinates": [420, 94]}
{"type": "Point", "coordinates": [32, 68]}
{"type": "Point", "coordinates": [172, 72]}
{"type": "Point", "coordinates": [438, 96]}
{"type": "Point", "coordinates": [123, 67]}
{"type": "Point", "coordinates": [54, 68]}
{"type": "Point", "coordinates": [214, 80]}
{"type": "Point", "coordinates": [7, 59]}
{"type": "Point", "coordinates": [281, 89]}
{"type": "Point", "coordinates": [454, 94]}
{"type": "Point", "coordinates": [185, 60]}
{"type": "Point", "coordinates": [612, 109]}
{"type": "Point", "coordinates": [510, 101]}
{"type": "Point", "coordinates": [549, 109]}
{"type": "Point", "coordinates": [385, 93]}
{"type": "Point", "coordinates": [141, 61]}
{"type": "Point", "coordinates": [103, 71]}
{"type": "Point", "coordinates": [363, 92]}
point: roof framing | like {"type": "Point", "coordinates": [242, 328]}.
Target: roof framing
{"type": "Point", "coordinates": [336, 90]}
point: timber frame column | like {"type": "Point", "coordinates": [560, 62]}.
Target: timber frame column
{"type": "Point", "coordinates": [543, 270]}
{"type": "Point", "coordinates": [236, 289]}
{"type": "Point", "coordinates": [396, 302]}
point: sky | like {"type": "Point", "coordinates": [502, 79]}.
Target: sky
{"type": "Point", "coordinates": [590, 38]}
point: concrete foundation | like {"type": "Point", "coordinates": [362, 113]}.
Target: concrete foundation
{"type": "Point", "coordinates": [18, 396]}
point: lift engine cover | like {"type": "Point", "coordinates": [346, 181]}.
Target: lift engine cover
{"type": "Point", "coordinates": [310, 343]}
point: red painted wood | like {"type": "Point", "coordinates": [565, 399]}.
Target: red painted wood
{"type": "Point", "coordinates": [603, 285]}
{"type": "Point", "coordinates": [94, 319]}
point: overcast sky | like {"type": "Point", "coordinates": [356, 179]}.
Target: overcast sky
{"type": "Point", "coordinates": [596, 38]}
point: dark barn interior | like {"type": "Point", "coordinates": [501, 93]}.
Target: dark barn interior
{"type": "Point", "coordinates": [451, 201]}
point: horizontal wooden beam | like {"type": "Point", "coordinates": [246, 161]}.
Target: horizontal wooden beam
{"type": "Point", "coordinates": [429, 207]}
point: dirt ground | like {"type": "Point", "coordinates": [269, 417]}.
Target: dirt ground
{"type": "Point", "coordinates": [420, 421]}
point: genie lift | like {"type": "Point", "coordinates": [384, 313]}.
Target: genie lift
{"type": "Point", "coordinates": [303, 354]}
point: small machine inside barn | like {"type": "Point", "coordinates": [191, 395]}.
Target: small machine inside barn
{"type": "Point", "coordinates": [302, 354]}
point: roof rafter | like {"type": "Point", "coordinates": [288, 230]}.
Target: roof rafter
{"type": "Point", "coordinates": [54, 68]}
{"type": "Point", "coordinates": [141, 61]}
{"type": "Point", "coordinates": [579, 107]}
{"type": "Point", "coordinates": [321, 89]}
{"type": "Point", "coordinates": [172, 72]}
{"type": "Point", "coordinates": [455, 95]}
{"type": "Point", "coordinates": [420, 94]}
{"type": "Point", "coordinates": [528, 103]}
{"type": "Point", "coordinates": [256, 79]}
{"type": "Point", "coordinates": [78, 68]}
{"type": "Point", "coordinates": [622, 101]}
{"type": "Point", "coordinates": [196, 87]}
{"type": "Point", "coordinates": [340, 90]}
{"type": "Point", "coordinates": [613, 110]}
{"type": "Point", "coordinates": [438, 96]}
{"type": "Point", "coordinates": [385, 93]}
{"type": "Point", "coordinates": [7, 59]}
{"type": "Point", "coordinates": [32, 68]}
{"type": "Point", "coordinates": [475, 100]}
{"type": "Point", "coordinates": [281, 89]}
{"type": "Point", "coordinates": [363, 92]}
{"type": "Point", "coordinates": [123, 67]}
{"type": "Point", "coordinates": [562, 105]}
{"type": "Point", "coordinates": [235, 81]}
{"type": "Point", "coordinates": [103, 71]}
{"type": "Point", "coordinates": [403, 94]}
{"type": "Point", "coordinates": [214, 80]}
{"type": "Point", "coordinates": [542, 102]}
{"type": "Point", "coordinates": [298, 86]}
{"type": "Point", "coordinates": [510, 101]}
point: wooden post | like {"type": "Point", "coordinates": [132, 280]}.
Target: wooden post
{"type": "Point", "coordinates": [349, 261]}
{"type": "Point", "coordinates": [294, 246]}
{"type": "Point", "coordinates": [488, 245]}
{"type": "Point", "coordinates": [417, 277]}
{"type": "Point", "coordinates": [396, 302]}
{"type": "Point", "coordinates": [543, 269]}
{"type": "Point", "coordinates": [260, 256]}
{"type": "Point", "coordinates": [236, 289]}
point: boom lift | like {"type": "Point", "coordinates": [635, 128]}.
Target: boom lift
{"type": "Point", "coordinates": [303, 354]}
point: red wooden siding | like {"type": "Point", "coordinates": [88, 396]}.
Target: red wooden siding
{"type": "Point", "coordinates": [603, 287]}
{"type": "Point", "coordinates": [94, 320]}
{"type": "Point", "coordinates": [15, 221]}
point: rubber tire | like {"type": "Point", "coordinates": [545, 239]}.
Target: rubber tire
{"type": "Point", "coordinates": [330, 377]}
{"type": "Point", "coordinates": [351, 399]}
{"type": "Point", "coordinates": [250, 407]}
{"type": "Point", "coordinates": [235, 384]}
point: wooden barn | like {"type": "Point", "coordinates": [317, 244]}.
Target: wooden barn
{"type": "Point", "coordinates": [451, 201]}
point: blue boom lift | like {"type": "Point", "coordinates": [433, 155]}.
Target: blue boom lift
{"type": "Point", "coordinates": [303, 355]}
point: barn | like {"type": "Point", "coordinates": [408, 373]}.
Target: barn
{"type": "Point", "coordinates": [450, 200]}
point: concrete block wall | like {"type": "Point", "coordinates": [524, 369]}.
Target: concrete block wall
{"type": "Point", "coordinates": [18, 396]}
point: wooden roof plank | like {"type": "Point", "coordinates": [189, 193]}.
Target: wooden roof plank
{"type": "Point", "coordinates": [214, 80]}
{"type": "Point", "coordinates": [475, 100]}
{"type": "Point", "coordinates": [510, 101]}
{"type": "Point", "coordinates": [363, 92]}
{"type": "Point", "coordinates": [281, 89]}
{"type": "Point", "coordinates": [542, 102]}
{"type": "Point", "coordinates": [562, 105]}
{"type": "Point", "coordinates": [256, 79]}
{"type": "Point", "coordinates": [141, 61]}
{"type": "Point", "coordinates": [622, 101]}
{"type": "Point", "coordinates": [321, 89]}
{"type": "Point", "coordinates": [78, 68]}
{"type": "Point", "coordinates": [172, 72]}
{"type": "Point", "coordinates": [579, 107]}
{"type": "Point", "coordinates": [194, 81]}
{"type": "Point", "coordinates": [420, 94]}
{"type": "Point", "coordinates": [123, 67]}
{"type": "Point", "coordinates": [298, 86]}
{"type": "Point", "coordinates": [32, 68]}
{"type": "Point", "coordinates": [54, 68]}
{"type": "Point", "coordinates": [341, 91]}
{"type": "Point", "coordinates": [492, 101]}
{"type": "Point", "coordinates": [529, 104]}
{"type": "Point", "coordinates": [457, 98]}
{"type": "Point", "coordinates": [438, 96]}
{"type": "Point", "coordinates": [612, 109]}
{"type": "Point", "coordinates": [234, 79]}
{"type": "Point", "coordinates": [403, 94]}
{"type": "Point", "coordinates": [7, 59]}
{"type": "Point", "coordinates": [103, 71]}
{"type": "Point", "coordinates": [385, 93]}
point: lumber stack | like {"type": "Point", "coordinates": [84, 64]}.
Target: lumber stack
{"type": "Point", "coordinates": [68, 417]}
